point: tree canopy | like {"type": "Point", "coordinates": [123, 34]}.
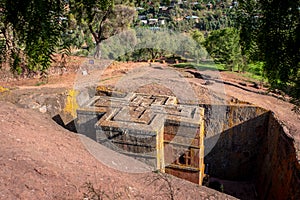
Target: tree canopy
{"type": "Point", "coordinates": [102, 18]}
{"type": "Point", "coordinates": [30, 31]}
{"type": "Point", "coordinates": [33, 30]}
{"type": "Point", "coordinates": [223, 46]}
{"type": "Point", "coordinates": [270, 33]}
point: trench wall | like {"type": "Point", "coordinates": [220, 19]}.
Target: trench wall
{"type": "Point", "coordinates": [243, 143]}
{"type": "Point", "coordinates": [233, 140]}
{"type": "Point", "coordinates": [235, 155]}
{"type": "Point", "coordinates": [279, 171]}
{"type": "Point", "coordinates": [251, 145]}
{"type": "Point", "coordinates": [86, 123]}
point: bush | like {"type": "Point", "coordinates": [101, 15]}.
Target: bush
{"type": "Point", "coordinates": [256, 68]}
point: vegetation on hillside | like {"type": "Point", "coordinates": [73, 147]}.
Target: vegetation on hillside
{"type": "Point", "coordinates": [255, 35]}
{"type": "Point", "coordinates": [269, 32]}
{"type": "Point", "coordinates": [223, 46]}
{"type": "Point", "coordinates": [30, 32]}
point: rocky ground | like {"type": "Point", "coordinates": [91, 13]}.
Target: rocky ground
{"type": "Point", "coordinates": [41, 160]}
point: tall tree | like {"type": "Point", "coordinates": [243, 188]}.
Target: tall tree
{"type": "Point", "coordinates": [200, 51]}
{"type": "Point", "coordinates": [272, 28]}
{"type": "Point", "coordinates": [30, 30]}
{"type": "Point", "coordinates": [280, 41]}
{"type": "Point", "coordinates": [248, 21]}
{"type": "Point", "coordinates": [223, 46]}
{"type": "Point", "coordinates": [102, 18]}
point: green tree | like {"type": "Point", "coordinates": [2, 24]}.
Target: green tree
{"type": "Point", "coordinates": [198, 36]}
{"type": "Point", "coordinates": [200, 51]}
{"type": "Point", "coordinates": [270, 33]}
{"type": "Point", "coordinates": [73, 35]}
{"type": "Point", "coordinates": [223, 46]}
{"type": "Point", "coordinates": [102, 18]}
{"type": "Point", "coordinates": [30, 31]}
{"type": "Point", "coordinates": [279, 42]}
{"type": "Point", "coordinates": [248, 21]}
{"type": "Point", "coordinates": [119, 46]}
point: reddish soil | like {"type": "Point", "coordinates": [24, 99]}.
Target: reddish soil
{"type": "Point", "coordinates": [282, 109]}
{"type": "Point", "coordinates": [41, 160]}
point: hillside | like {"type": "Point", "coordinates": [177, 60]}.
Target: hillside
{"type": "Point", "coordinates": [39, 159]}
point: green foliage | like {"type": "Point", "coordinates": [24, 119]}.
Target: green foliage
{"type": "Point", "coordinates": [31, 29]}
{"type": "Point", "coordinates": [223, 46]}
{"type": "Point", "coordinates": [102, 19]}
{"type": "Point", "coordinates": [202, 66]}
{"type": "Point", "coordinates": [270, 33]}
{"type": "Point", "coordinates": [281, 41]}
{"type": "Point", "coordinates": [198, 37]}
{"type": "Point", "coordinates": [182, 25]}
{"type": "Point", "coordinates": [73, 35]}
{"type": "Point", "coordinates": [146, 44]}
{"type": "Point", "coordinates": [256, 68]}
{"type": "Point", "coordinates": [119, 45]}
{"type": "Point", "coordinates": [143, 44]}
{"type": "Point", "coordinates": [247, 19]}
{"type": "Point", "coordinates": [200, 40]}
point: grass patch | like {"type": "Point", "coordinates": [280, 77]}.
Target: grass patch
{"type": "Point", "coordinates": [201, 66]}
{"type": "Point", "coordinates": [255, 71]}
{"type": "Point", "coordinates": [41, 83]}
{"type": "Point", "coordinates": [253, 76]}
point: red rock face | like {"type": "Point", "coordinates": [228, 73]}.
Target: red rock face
{"type": "Point", "coordinates": [192, 176]}
{"type": "Point", "coordinates": [257, 150]}
{"type": "Point", "coordinates": [279, 174]}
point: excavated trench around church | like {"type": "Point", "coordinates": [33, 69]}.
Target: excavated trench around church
{"type": "Point", "coordinates": [251, 148]}
{"type": "Point", "coordinates": [247, 153]}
